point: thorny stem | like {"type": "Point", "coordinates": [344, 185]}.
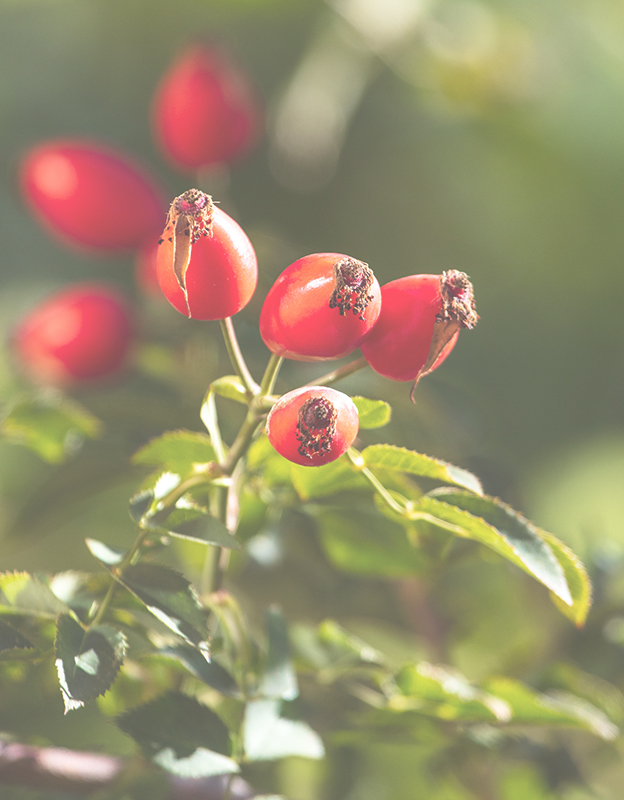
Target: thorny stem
{"type": "Point", "coordinates": [341, 372]}
{"type": "Point", "coordinates": [236, 356]}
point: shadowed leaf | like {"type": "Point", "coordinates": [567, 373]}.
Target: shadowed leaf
{"type": "Point", "coordinates": [86, 661]}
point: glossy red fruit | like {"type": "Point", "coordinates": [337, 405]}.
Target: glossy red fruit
{"type": "Point", "coordinates": [76, 336]}
{"type": "Point", "coordinates": [420, 320]}
{"type": "Point", "coordinates": [90, 195]}
{"type": "Point", "coordinates": [207, 266]}
{"type": "Point", "coordinates": [321, 307]}
{"type": "Point", "coordinates": [205, 111]}
{"type": "Point", "coordinates": [313, 425]}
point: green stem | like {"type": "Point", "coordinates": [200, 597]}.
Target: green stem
{"type": "Point", "coordinates": [358, 462]}
{"type": "Point", "coordinates": [270, 374]}
{"type": "Point", "coordinates": [236, 356]}
{"type": "Point", "coordinates": [341, 372]}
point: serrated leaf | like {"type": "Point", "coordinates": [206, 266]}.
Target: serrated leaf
{"type": "Point", "coordinates": [52, 425]}
{"type": "Point", "coordinates": [269, 735]}
{"type": "Point", "coordinates": [339, 476]}
{"type": "Point", "coordinates": [498, 526]}
{"type": "Point", "coordinates": [279, 678]}
{"type": "Point", "coordinates": [22, 593]}
{"type": "Point", "coordinates": [12, 639]}
{"type": "Point", "coordinates": [446, 694]}
{"type": "Point", "coordinates": [109, 556]}
{"type": "Point", "coordinates": [195, 524]}
{"type": "Point", "coordinates": [86, 661]}
{"type": "Point", "coordinates": [366, 543]}
{"type": "Point", "coordinates": [209, 672]}
{"type": "Point", "coordinates": [181, 735]}
{"type": "Point", "coordinates": [177, 451]}
{"type": "Point", "coordinates": [372, 413]}
{"type": "Point", "coordinates": [170, 598]}
{"type": "Point", "coordinates": [530, 707]}
{"type": "Point", "coordinates": [230, 386]}
{"type": "Point", "coordinates": [577, 579]}
{"type": "Point", "coordinates": [403, 460]}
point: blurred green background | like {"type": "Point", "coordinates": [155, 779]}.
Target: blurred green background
{"type": "Point", "coordinates": [416, 136]}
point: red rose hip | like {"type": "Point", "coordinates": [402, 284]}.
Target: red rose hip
{"type": "Point", "coordinates": [313, 425]}
{"type": "Point", "coordinates": [91, 196]}
{"type": "Point", "coordinates": [321, 307]}
{"type": "Point", "coordinates": [419, 324]}
{"type": "Point", "coordinates": [207, 266]}
{"type": "Point", "coordinates": [205, 111]}
{"type": "Point", "coordinates": [76, 336]}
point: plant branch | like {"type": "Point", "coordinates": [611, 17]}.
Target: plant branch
{"type": "Point", "coordinates": [236, 357]}
{"type": "Point", "coordinates": [340, 372]}
{"type": "Point", "coordinates": [55, 769]}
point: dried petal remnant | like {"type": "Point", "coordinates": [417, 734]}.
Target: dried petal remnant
{"type": "Point", "coordinates": [189, 218]}
{"type": "Point", "coordinates": [316, 426]}
{"type": "Point", "coordinates": [458, 303]}
{"type": "Point", "coordinates": [353, 280]}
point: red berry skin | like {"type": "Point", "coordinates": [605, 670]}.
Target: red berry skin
{"type": "Point", "coordinates": [91, 196]}
{"type": "Point", "coordinates": [296, 320]}
{"type": "Point", "coordinates": [205, 111]}
{"type": "Point", "coordinates": [399, 344]}
{"type": "Point", "coordinates": [222, 271]}
{"type": "Point", "coordinates": [283, 419]}
{"type": "Point", "coordinates": [76, 336]}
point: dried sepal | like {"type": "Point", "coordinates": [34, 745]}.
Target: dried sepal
{"type": "Point", "coordinates": [353, 280]}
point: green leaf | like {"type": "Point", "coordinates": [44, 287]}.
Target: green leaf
{"type": "Point", "coordinates": [140, 504]}
{"type": "Point", "coordinates": [403, 460]}
{"type": "Point", "coordinates": [52, 425]}
{"type": "Point", "coordinates": [496, 525]}
{"type": "Point", "coordinates": [530, 707]}
{"type": "Point", "coordinates": [446, 694]}
{"type": "Point", "coordinates": [577, 579]}
{"type": "Point", "coordinates": [275, 468]}
{"type": "Point", "coordinates": [330, 647]}
{"type": "Point", "coordinates": [182, 736]}
{"type": "Point", "coordinates": [177, 452]}
{"type": "Point", "coordinates": [366, 543]}
{"type": "Point", "coordinates": [170, 598]}
{"type": "Point", "coordinates": [269, 735]}
{"type": "Point", "coordinates": [232, 387]}
{"type": "Point", "coordinates": [278, 678]}
{"type": "Point", "coordinates": [372, 413]}
{"type": "Point", "coordinates": [328, 479]}
{"type": "Point", "coordinates": [86, 661]}
{"type": "Point", "coordinates": [195, 524]}
{"type": "Point", "coordinates": [11, 639]}
{"type": "Point", "coordinates": [209, 672]}
{"type": "Point", "coordinates": [109, 556]}
{"type": "Point", "coordinates": [21, 593]}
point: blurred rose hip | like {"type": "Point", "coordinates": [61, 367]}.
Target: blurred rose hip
{"type": "Point", "coordinates": [75, 336]}
{"type": "Point", "coordinates": [420, 320]}
{"type": "Point", "coordinates": [90, 195]}
{"type": "Point", "coordinates": [146, 269]}
{"type": "Point", "coordinates": [205, 111]}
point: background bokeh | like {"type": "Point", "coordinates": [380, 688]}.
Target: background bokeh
{"type": "Point", "coordinates": [416, 136]}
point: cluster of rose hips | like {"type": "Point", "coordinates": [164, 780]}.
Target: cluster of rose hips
{"type": "Point", "coordinates": [323, 306]}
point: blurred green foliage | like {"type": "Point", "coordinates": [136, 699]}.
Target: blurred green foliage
{"type": "Point", "coordinates": [481, 136]}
